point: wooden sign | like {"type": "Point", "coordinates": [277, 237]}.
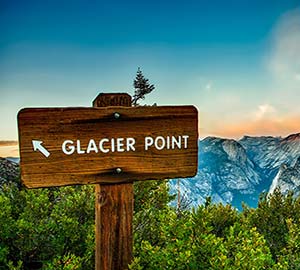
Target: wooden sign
{"type": "Point", "coordinates": [65, 146]}
{"type": "Point", "coordinates": [116, 99]}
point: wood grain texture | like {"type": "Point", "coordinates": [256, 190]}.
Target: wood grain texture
{"type": "Point", "coordinates": [114, 215]}
{"type": "Point", "coordinates": [113, 212]}
{"type": "Point", "coordinates": [55, 125]}
{"type": "Point", "coordinates": [115, 99]}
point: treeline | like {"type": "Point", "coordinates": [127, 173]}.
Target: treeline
{"type": "Point", "coordinates": [53, 228]}
{"type": "Point", "coordinates": [216, 236]}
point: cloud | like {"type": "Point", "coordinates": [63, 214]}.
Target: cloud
{"type": "Point", "coordinates": [284, 60]}
{"type": "Point", "coordinates": [208, 86]}
{"type": "Point", "coordinates": [9, 151]}
{"type": "Point", "coordinates": [274, 110]}
{"type": "Point", "coordinates": [8, 143]}
{"type": "Point", "coordinates": [265, 120]}
{"type": "Point", "coordinates": [280, 126]}
{"type": "Point", "coordinates": [264, 111]}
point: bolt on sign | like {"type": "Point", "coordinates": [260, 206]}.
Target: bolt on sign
{"type": "Point", "coordinates": [66, 146]}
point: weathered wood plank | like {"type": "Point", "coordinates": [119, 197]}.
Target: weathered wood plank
{"type": "Point", "coordinates": [54, 126]}
{"type": "Point", "coordinates": [115, 99]}
{"type": "Point", "coordinates": [113, 211]}
{"type": "Point", "coordinates": [114, 214]}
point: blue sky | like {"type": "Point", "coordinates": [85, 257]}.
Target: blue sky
{"type": "Point", "coordinates": [237, 61]}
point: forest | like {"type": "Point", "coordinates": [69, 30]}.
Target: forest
{"type": "Point", "coordinates": [53, 228]}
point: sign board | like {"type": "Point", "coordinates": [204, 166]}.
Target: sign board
{"type": "Point", "coordinates": [65, 146]}
{"type": "Point", "coordinates": [115, 99]}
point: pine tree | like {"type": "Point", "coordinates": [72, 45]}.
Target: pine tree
{"type": "Point", "coordinates": [142, 87]}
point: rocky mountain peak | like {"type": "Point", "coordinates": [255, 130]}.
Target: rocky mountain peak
{"type": "Point", "coordinates": [9, 172]}
{"type": "Point", "coordinates": [233, 171]}
{"type": "Point", "coordinates": [287, 179]}
{"type": "Point", "coordinates": [234, 151]}
{"type": "Point", "coordinates": [293, 137]}
{"type": "Point", "coordinates": [297, 164]}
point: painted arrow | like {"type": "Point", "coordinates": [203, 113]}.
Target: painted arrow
{"type": "Point", "coordinates": [37, 146]}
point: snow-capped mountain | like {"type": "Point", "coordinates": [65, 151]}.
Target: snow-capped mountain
{"type": "Point", "coordinates": [234, 171]}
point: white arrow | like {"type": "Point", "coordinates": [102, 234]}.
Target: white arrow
{"type": "Point", "coordinates": [37, 146]}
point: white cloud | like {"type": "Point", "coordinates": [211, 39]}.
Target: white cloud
{"type": "Point", "coordinates": [264, 111]}
{"type": "Point", "coordinates": [284, 62]}
{"type": "Point", "coordinates": [208, 86]}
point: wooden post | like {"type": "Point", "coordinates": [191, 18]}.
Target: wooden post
{"type": "Point", "coordinates": [113, 210]}
{"type": "Point", "coordinates": [161, 142]}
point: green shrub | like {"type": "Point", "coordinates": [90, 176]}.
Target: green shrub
{"type": "Point", "coordinates": [53, 228]}
{"type": "Point", "coordinates": [38, 225]}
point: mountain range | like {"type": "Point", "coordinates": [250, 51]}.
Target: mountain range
{"type": "Point", "coordinates": [236, 171]}
{"type": "Point", "coordinates": [230, 171]}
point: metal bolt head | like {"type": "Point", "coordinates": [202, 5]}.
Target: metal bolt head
{"type": "Point", "coordinates": [117, 115]}
{"type": "Point", "coordinates": [118, 170]}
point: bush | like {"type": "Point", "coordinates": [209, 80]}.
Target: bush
{"type": "Point", "coordinates": [37, 226]}
{"type": "Point", "coordinates": [53, 228]}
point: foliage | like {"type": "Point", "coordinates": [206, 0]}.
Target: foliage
{"type": "Point", "coordinates": [46, 226]}
{"type": "Point", "coordinates": [194, 240]}
{"type": "Point", "coordinates": [271, 217]}
{"type": "Point", "coordinates": [289, 258]}
{"type": "Point", "coordinates": [53, 228]}
{"type": "Point", "coordinates": [142, 87]}
{"type": "Point", "coordinates": [150, 208]}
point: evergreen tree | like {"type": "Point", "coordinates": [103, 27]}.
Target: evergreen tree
{"type": "Point", "coordinates": [142, 87]}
